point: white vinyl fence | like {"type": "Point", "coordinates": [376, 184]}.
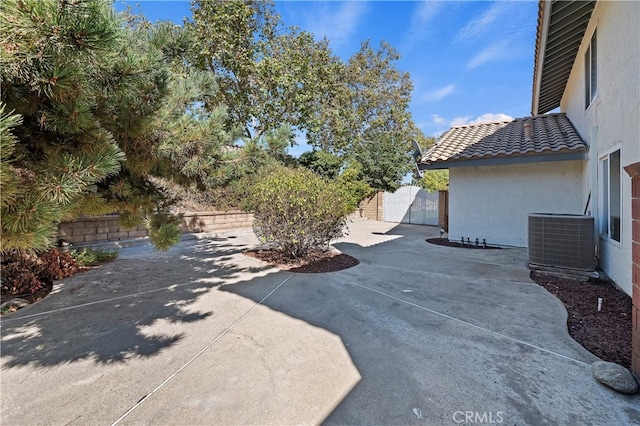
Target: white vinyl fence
{"type": "Point", "coordinates": [411, 204]}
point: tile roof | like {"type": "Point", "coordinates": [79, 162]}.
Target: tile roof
{"type": "Point", "coordinates": [550, 134]}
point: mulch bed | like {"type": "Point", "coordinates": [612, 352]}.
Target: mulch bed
{"type": "Point", "coordinates": [607, 333]}
{"type": "Point", "coordinates": [447, 243]}
{"type": "Point", "coordinates": [15, 302]}
{"type": "Point", "coordinates": [317, 261]}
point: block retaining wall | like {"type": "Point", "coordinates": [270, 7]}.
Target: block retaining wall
{"type": "Point", "coordinates": [106, 228]}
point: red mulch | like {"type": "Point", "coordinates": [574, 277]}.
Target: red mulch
{"type": "Point", "coordinates": [30, 298]}
{"type": "Point", "coordinates": [317, 261]}
{"type": "Point", "coordinates": [40, 294]}
{"type": "Point", "coordinates": [607, 333]}
{"type": "Point", "coordinates": [447, 243]}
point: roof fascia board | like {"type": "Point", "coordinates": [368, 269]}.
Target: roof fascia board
{"type": "Point", "coordinates": [546, 17]}
{"type": "Point", "coordinates": [502, 161]}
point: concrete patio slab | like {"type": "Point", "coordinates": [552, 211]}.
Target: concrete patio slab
{"type": "Point", "coordinates": [415, 334]}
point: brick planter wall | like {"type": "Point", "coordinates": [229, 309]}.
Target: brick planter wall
{"type": "Point", "coordinates": [634, 172]}
{"type": "Point", "coordinates": [106, 228]}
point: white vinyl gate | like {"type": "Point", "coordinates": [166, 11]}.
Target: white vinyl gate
{"type": "Point", "coordinates": [411, 204]}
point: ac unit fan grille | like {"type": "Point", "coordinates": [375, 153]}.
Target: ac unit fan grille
{"type": "Point", "coordinates": [564, 241]}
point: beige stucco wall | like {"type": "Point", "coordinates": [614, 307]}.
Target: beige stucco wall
{"type": "Point", "coordinates": [493, 202]}
{"type": "Point", "coordinates": [612, 121]}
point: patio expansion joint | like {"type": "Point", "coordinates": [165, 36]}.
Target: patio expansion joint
{"type": "Point", "coordinates": [418, 271]}
{"type": "Point", "coordinates": [466, 323]}
{"type": "Point", "coordinates": [386, 251]}
{"type": "Point", "coordinates": [96, 302]}
{"type": "Point", "coordinates": [203, 350]}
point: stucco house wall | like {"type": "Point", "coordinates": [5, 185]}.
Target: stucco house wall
{"type": "Point", "coordinates": [493, 202]}
{"type": "Point", "coordinates": [612, 120]}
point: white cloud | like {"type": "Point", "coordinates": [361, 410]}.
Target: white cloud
{"type": "Point", "coordinates": [337, 22]}
{"type": "Point", "coordinates": [484, 118]}
{"type": "Point", "coordinates": [491, 117]}
{"type": "Point", "coordinates": [476, 26]}
{"type": "Point", "coordinates": [497, 51]}
{"type": "Point", "coordinates": [425, 11]}
{"type": "Point", "coordinates": [422, 15]}
{"type": "Point", "coordinates": [459, 121]}
{"type": "Point", "coordinates": [438, 94]}
{"type": "Point", "coordinates": [437, 119]}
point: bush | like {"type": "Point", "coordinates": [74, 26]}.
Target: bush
{"type": "Point", "coordinates": [435, 180]}
{"type": "Point", "coordinates": [297, 211]}
{"type": "Point", "coordinates": [25, 273]}
{"type": "Point", "coordinates": [92, 257]}
{"type": "Point", "coordinates": [352, 180]}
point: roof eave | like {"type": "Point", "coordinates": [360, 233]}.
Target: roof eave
{"type": "Point", "coordinates": [501, 161]}
{"type": "Point", "coordinates": [543, 32]}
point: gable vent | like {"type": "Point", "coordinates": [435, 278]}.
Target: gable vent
{"type": "Point", "coordinates": [561, 241]}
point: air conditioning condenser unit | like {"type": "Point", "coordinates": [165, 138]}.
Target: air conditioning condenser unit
{"type": "Point", "coordinates": [561, 241]}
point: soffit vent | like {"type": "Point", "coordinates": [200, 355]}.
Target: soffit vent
{"type": "Point", "coordinates": [562, 241]}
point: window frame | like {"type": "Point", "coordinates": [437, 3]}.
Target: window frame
{"type": "Point", "coordinates": [591, 71]}
{"type": "Point", "coordinates": [605, 203]}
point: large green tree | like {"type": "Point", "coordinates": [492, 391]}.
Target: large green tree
{"type": "Point", "coordinates": [369, 118]}
{"type": "Point", "coordinates": [94, 107]}
{"type": "Point", "coordinates": [434, 180]}
{"type": "Point", "coordinates": [52, 58]}
{"type": "Point", "coordinates": [268, 74]}
{"type": "Point", "coordinates": [322, 163]}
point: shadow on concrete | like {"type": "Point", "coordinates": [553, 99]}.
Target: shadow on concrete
{"type": "Point", "coordinates": [373, 332]}
{"type": "Point", "coordinates": [115, 303]}
{"type": "Point", "coordinates": [429, 340]}
{"type": "Point", "coordinates": [405, 316]}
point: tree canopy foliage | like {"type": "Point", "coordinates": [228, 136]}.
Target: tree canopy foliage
{"type": "Point", "coordinates": [268, 74]}
{"type": "Point", "coordinates": [322, 163]}
{"type": "Point", "coordinates": [93, 110]}
{"type": "Point", "coordinates": [101, 111]}
{"type": "Point", "coordinates": [434, 180]}
{"type": "Point", "coordinates": [368, 119]}
{"type": "Point", "coordinates": [357, 110]}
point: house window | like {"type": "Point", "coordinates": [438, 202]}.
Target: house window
{"type": "Point", "coordinates": [611, 200]}
{"type": "Point", "coordinates": [591, 72]}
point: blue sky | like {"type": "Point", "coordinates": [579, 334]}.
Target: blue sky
{"type": "Point", "coordinates": [469, 61]}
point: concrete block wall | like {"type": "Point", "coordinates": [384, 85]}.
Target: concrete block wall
{"type": "Point", "coordinates": [106, 228]}
{"type": "Point", "coordinates": [373, 208]}
{"type": "Point", "coordinates": [97, 229]}
{"type": "Point", "coordinates": [215, 221]}
{"type": "Point", "coordinates": [634, 171]}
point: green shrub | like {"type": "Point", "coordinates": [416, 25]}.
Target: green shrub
{"type": "Point", "coordinates": [435, 180]}
{"type": "Point", "coordinates": [92, 257]}
{"type": "Point", "coordinates": [352, 180]}
{"type": "Point", "coordinates": [296, 210]}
